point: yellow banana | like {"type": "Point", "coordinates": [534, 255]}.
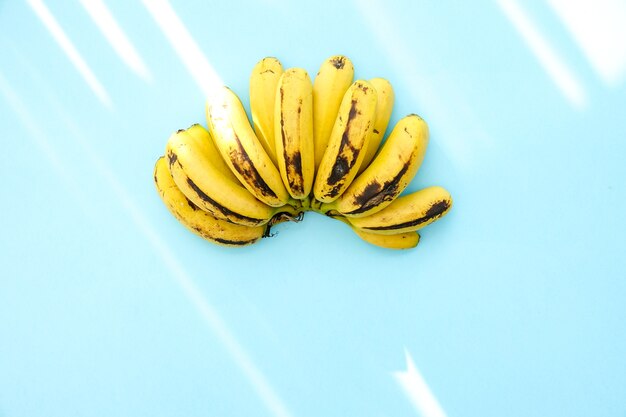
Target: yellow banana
{"type": "Point", "coordinates": [398, 241]}
{"type": "Point", "coordinates": [197, 220]}
{"type": "Point", "coordinates": [293, 123]}
{"type": "Point", "coordinates": [332, 81]}
{"type": "Point", "coordinates": [263, 83]}
{"type": "Point", "coordinates": [207, 145]}
{"type": "Point", "coordinates": [384, 107]}
{"type": "Point", "coordinates": [347, 142]}
{"type": "Point", "coordinates": [208, 188]}
{"type": "Point", "coordinates": [408, 213]}
{"type": "Point", "coordinates": [242, 150]}
{"type": "Point", "coordinates": [390, 172]}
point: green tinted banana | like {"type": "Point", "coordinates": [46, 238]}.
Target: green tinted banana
{"type": "Point", "coordinates": [242, 150]}
{"type": "Point", "coordinates": [407, 213]}
{"type": "Point", "coordinates": [347, 142]}
{"type": "Point", "coordinates": [390, 172]}
{"type": "Point", "coordinates": [293, 123]}
{"type": "Point", "coordinates": [210, 189]}
{"type": "Point", "coordinates": [398, 241]}
{"type": "Point", "coordinates": [332, 81]}
{"type": "Point", "coordinates": [205, 142]}
{"type": "Point", "coordinates": [197, 220]}
{"type": "Point", "coordinates": [263, 82]}
{"type": "Point", "coordinates": [384, 107]}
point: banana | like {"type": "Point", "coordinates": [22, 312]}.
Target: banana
{"type": "Point", "coordinates": [210, 189]}
{"type": "Point", "coordinates": [197, 220]}
{"type": "Point", "coordinates": [390, 172]}
{"type": "Point", "coordinates": [293, 127]}
{"type": "Point", "coordinates": [398, 241]}
{"type": "Point", "coordinates": [384, 107]}
{"type": "Point", "coordinates": [206, 143]}
{"type": "Point", "coordinates": [263, 82]}
{"type": "Point", "coordinates": [242, 150]}
{"type": "Point", "coordinates": [408, 213]}
{"type": "Point", "coordinates": [347, 142]}
{"type": "Point", "coordinates": [332, 81]}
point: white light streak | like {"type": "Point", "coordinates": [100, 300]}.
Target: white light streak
{"type": "Point", "coordinates": [49, 21]}
{"type": "Point", "coordinates": [184, 44]}
{"type": "Point", "coordinates": [554, 66]}
{"type": "Point", "coordinates": [211, 318]}
{"type": "Point", "coordinates": [104, 19]}
{"type": "Point", "coordinates": [599, 28]}
{"type": "Point", "coordinates": [417, 390]}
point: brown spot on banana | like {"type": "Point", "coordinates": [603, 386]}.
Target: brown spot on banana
{"type": "Point", "coordinates": [245, 167]}
{"type": "Point", "coordinates": [375, 193]}
{"type": "Point", "coordinates": [339, 62]}
{"type": "Point", "coordinates": [437, 209]}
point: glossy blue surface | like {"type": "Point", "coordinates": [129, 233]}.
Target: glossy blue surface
{"type": "Point", "coordinates": [513, 305]}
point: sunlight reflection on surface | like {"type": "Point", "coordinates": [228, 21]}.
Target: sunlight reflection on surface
{"type": "Point", "coordinates": [549, 59]}
{"type": "Point", "coordinates": [58, 34]}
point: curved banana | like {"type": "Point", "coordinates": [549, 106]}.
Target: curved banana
{"type": "Point", "coordinates": [197, 220]}
{"type": "Point", "coordinates": [348, 139]}
{"type": "Point", "coordinates": [389, 174]}
{"type": "Point", "coordinates": [263, 83]}
{"type": "Point", "coordinates": [398, 241]}
{"type": "Point", "coordinates": [408, 213]}
{"type": "Point", "coordinates": [207, 145]}
{"type": "Point", "coordinates": [242, 150]}
{"type": "Point", "coordinates": [293, 122]}
{"type": "Point", "coordinates": [384, 107]}
{"type": "Point", "coordinates": [208, 188]}
{"type": "Point", "coordinates": [332, 81]}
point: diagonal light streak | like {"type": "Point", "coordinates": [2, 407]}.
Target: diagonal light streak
{"type": "Point", "coordinates": [104, 19]}
{"type": "Point", "coordinates": [40, 140]}
{"type": "Point", "coordinates": [417, 390]}
{"type": "Point", "coordinates": [64, 42]}
{"type": "Point", "coordinates": [185, 46]}
{"type": "Point", "coordinates": [211, 318]}
{"type": "Point", "coordinates": [548, 58]}
{"type": "Point", "coordinates": [599, 29]}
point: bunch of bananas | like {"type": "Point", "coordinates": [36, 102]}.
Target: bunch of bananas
{"type": "Point", "coordinates": [311, 146]}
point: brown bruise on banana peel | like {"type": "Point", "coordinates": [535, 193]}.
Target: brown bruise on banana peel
{"type": "Point", "coordinates": [244, 166]}
{"type": "Point", "coordinates": [344, 161]}
{"type": "Point", "coordinates": [173, 159]}
{"type": "Point", "coordinates": [338, 62]}
{"type": "Point", "coordinates": [436, 210]}
{"type": "Point", "coordinates": [375, 193]}
{"type": "Point", "coordinates": [293, 161]}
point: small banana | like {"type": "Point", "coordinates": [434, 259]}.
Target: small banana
{"type": "Point", "coordinates": [332, 81]}
{"type": "Point", "coordinates": [293, 122]}
{"type": "Point", "coordinates": [263, 82]}
{"type": "Point", "coordinates": [398, 241]}
{"type": "Point", "coordinates": [242, 150]}
{"type": "Point", "coordinates": [384, 107]}
{"type": "Point", "coordinates": [408, 213]}
{"type": "Point", "coordinates": [206, 143]}
{"type": "Point", "coordinates": [197, 220]}
{"type": "Point", "coordinates": [347, 142]}
{"type": "Point", "coordinates": [390, 172]}
{"type": "Point", "coordinates": [208, 187]}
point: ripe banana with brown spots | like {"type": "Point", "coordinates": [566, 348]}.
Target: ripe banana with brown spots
{"type": "Point", "coordinates": [331, 83]}
{"type": "Point", "coordinates": [263, 83]}
{"type": "Point", "coordinates": [242, 150]}
{"type": "Point", "coordinates": [197, 220]}
{"type": "Point", "coordinates": [293, 123]}
{"type": "Point", "coordinates": [407, 213]}
{"type": "Point", "coordinates": [384, 107]}
{"type": "Point", "coordinates": [209, 188]}
{"type": "Point", "coordinates": [347, 143]}
{"type": "Point", "coordinates": [389, 174]}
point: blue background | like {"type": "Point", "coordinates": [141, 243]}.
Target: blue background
{"type": "Point", "coordinates": [514, 304]}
